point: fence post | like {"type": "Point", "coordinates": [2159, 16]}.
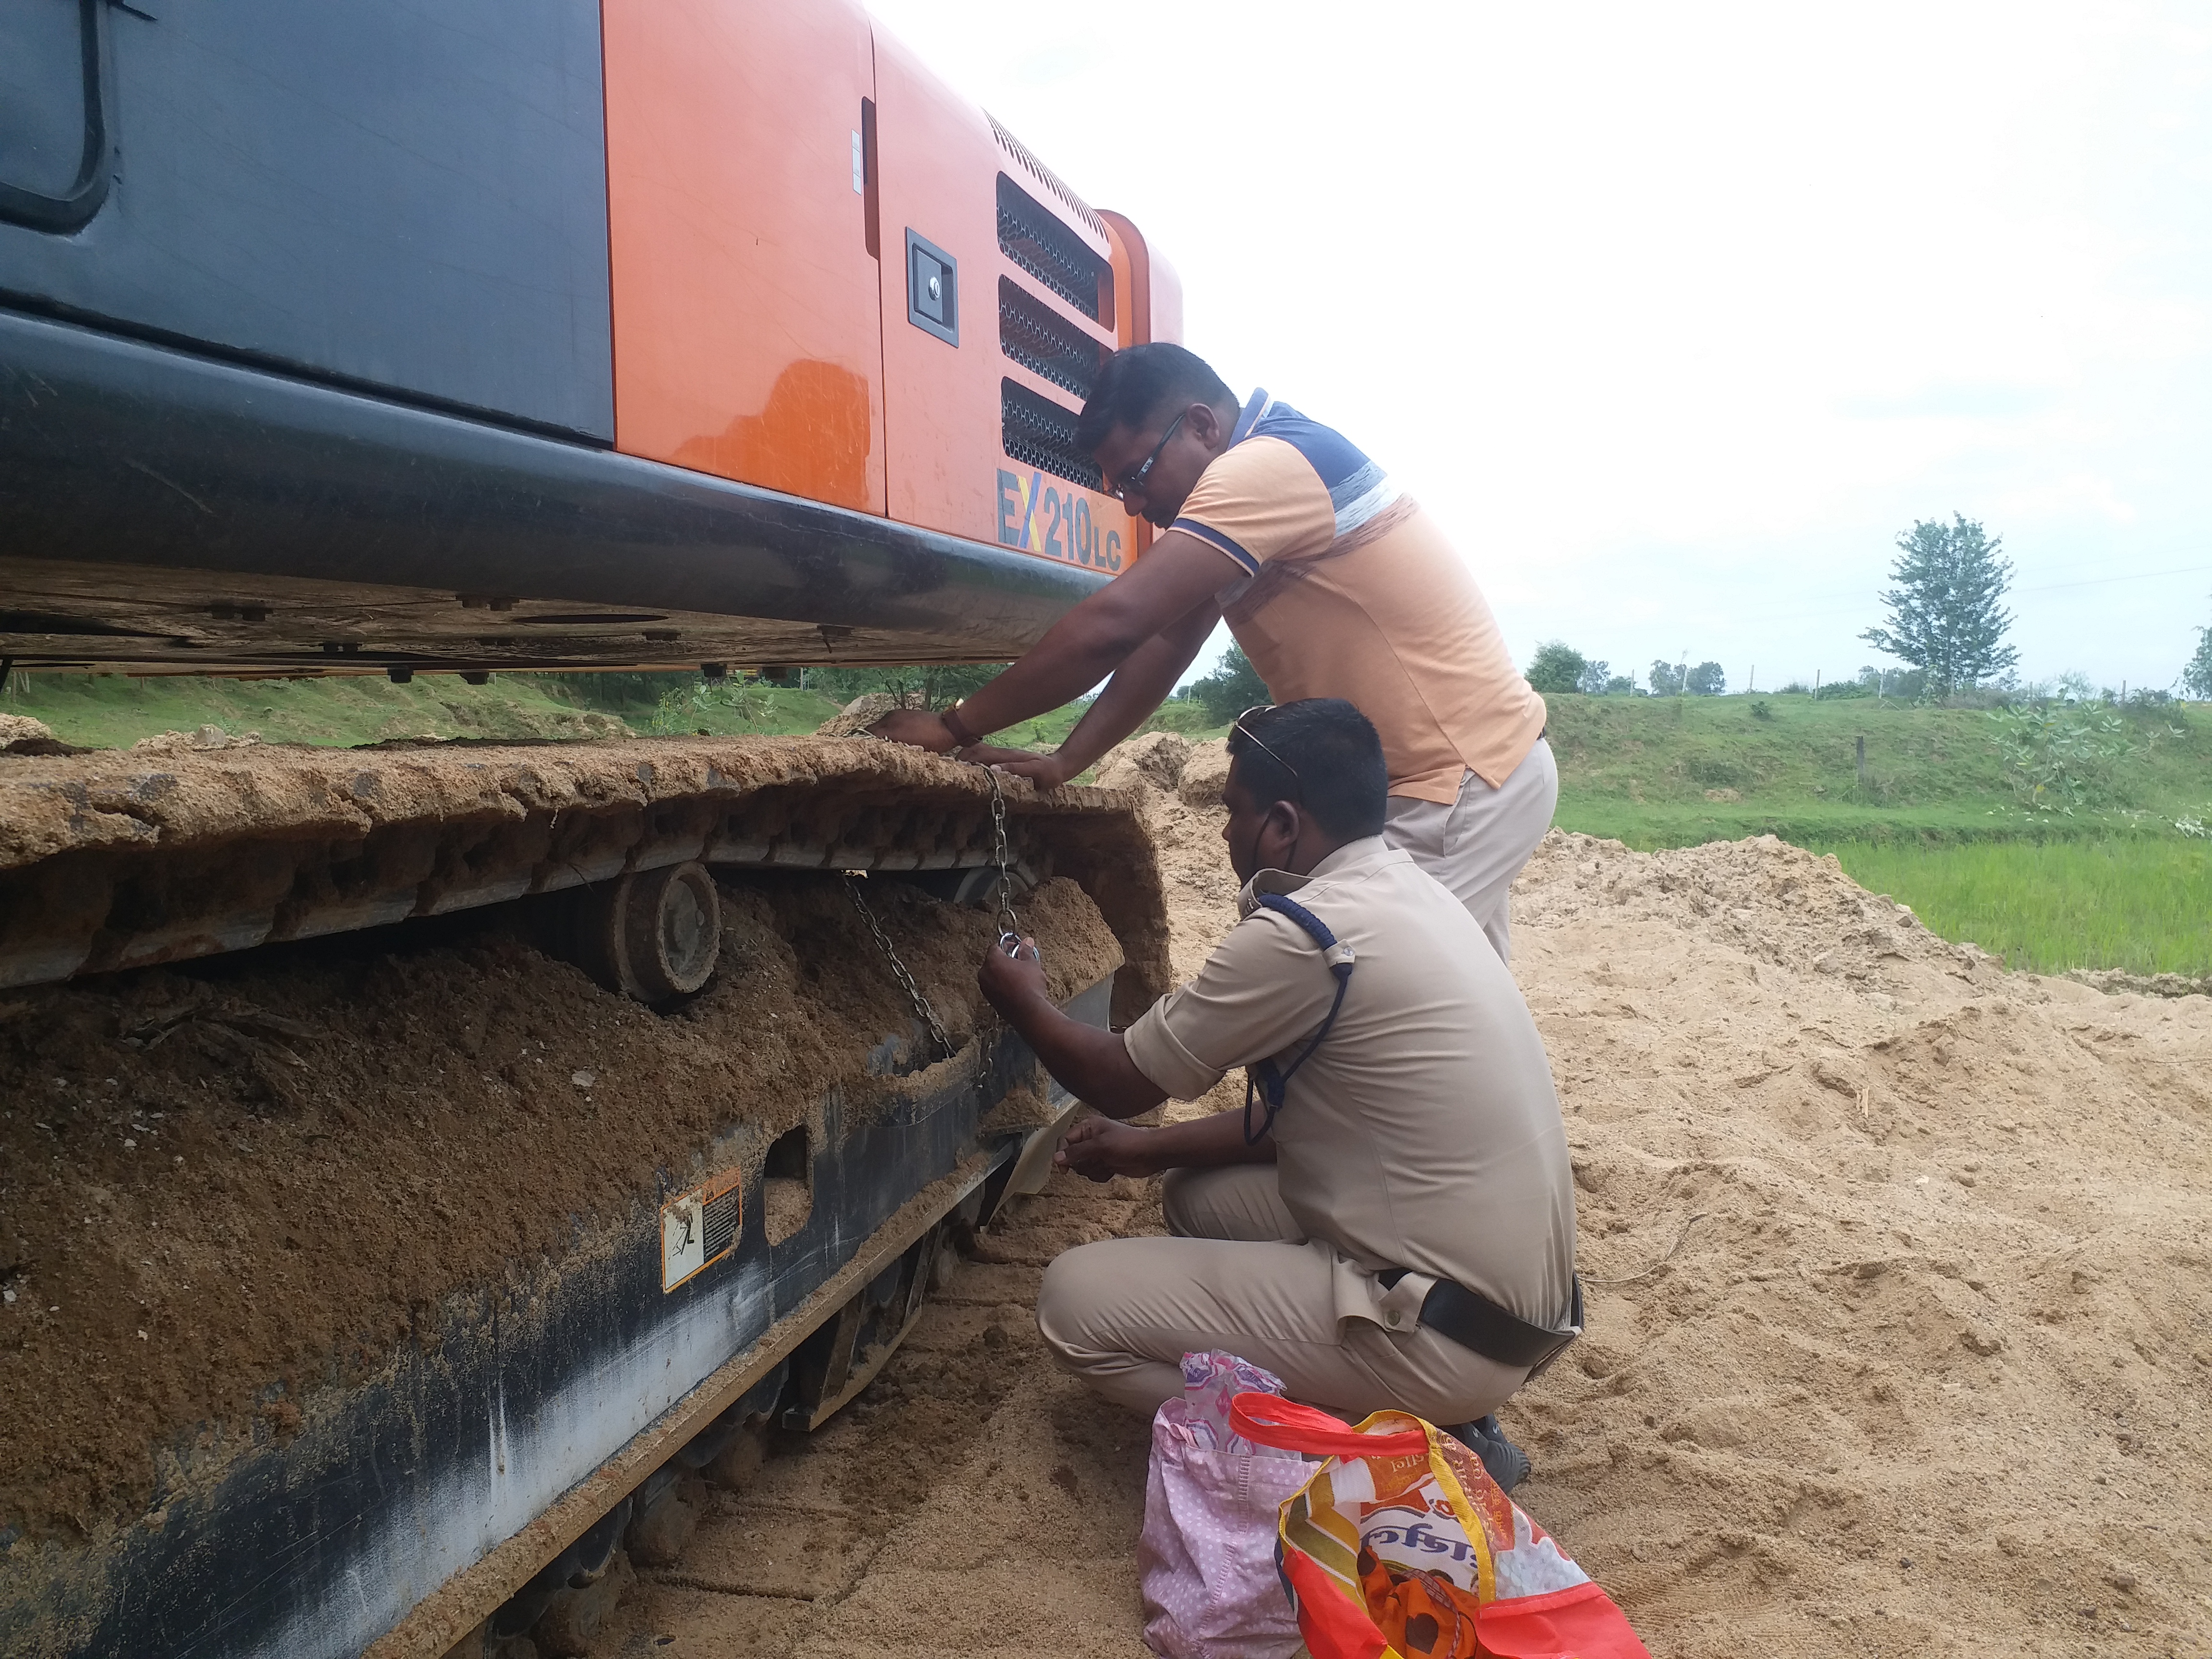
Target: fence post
{"type": "Point", "coordinates": [1863, 771]}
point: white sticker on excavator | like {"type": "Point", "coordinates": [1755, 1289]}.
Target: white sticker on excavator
{"type": "Point", "coordinates": [699, 1228]}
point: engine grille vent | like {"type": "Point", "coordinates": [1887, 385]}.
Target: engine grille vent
{"type": "Point", "coordinates": [1041, 432]}
{"type": "Point", "coordinates": [1046, 343]}
{"type": "Point", "coordinates": [1045, 176]}
{"type": "Point", "coordinates": [1036, 241]}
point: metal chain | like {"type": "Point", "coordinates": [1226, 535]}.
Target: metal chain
{"type": "Point", "coordinates": [898, 969]}
{"type": "Point", "coordinates": [1009, 928]}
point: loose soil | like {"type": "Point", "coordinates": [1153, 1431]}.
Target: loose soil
{"type": "Point", "coordinates": [220, 1187]}
{"type": "Point", "coordinates": [1899, 1322]}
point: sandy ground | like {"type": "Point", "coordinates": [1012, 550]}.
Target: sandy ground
{"type": "Point", "coordinates": [1900, 1327]}
{"type": "Point", "coordinates": [972, 1501]}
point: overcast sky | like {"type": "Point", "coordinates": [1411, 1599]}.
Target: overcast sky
{"type": "Point", "coordinates": [1677, 315]}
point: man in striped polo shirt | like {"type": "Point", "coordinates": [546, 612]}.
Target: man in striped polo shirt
{"type": "Point", "coordinates": [1334, 583]}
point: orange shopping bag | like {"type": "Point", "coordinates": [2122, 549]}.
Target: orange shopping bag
{"type": "Point", "coordinates": [1401, 1546]}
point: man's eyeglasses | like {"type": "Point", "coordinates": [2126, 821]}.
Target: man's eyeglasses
{"type": "Point", "coordinates": [1237, 725]}
{"type": "Point", "coordinates": [1131, 483]}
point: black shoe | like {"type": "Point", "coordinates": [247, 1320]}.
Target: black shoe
{"type": "Point", "coordinates": [1507, 1463]}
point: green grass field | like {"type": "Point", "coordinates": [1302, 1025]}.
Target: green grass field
{"type": "Point", "coordinates": [104, 711]}
{"type": "Point", "coordinates": [1675, 771]}
{"type": "Point", "coordinates": [1933, 823]}
{"type": "Point", "coordinates": [2135, 902]}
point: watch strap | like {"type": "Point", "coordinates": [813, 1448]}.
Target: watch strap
{"type": "Point", "coordinates": [962, 735]}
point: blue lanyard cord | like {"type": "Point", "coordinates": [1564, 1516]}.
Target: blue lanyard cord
{"type": "Point", "coordinates": [1261, 1077]}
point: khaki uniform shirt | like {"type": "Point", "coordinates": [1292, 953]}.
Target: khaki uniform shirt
{"type": "Point", "coordinates": [1424, 1133]}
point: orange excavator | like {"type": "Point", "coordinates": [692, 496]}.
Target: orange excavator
{"type": "Point", "coordinates": [368, 337]}
{"type": "Point", "coordinates": [706, 331]}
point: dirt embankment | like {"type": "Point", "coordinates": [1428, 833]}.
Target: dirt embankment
{"type": "Point", "coordinates": [223, 1185]}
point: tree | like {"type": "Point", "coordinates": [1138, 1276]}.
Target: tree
{"type": "Point", "coordinates": [2196, 677]}
{"type": "Point", "coordinates": [1944, 614]}
{"type": "Point", "coordinates": [1667, 679]}
{"type": "Point", "coordinates": [1595, 677]}
{"type": "Point", "coordinates": [1620, 685]}
{"type": "Point", "coordinates": [1557, 666]}
{"type": "Point", "coordinates": [1705, 680]}
{"type": "Point", "coordinates": [1231, 689]}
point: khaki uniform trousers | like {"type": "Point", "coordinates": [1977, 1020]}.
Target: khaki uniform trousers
{"type": "Point", "coordinates": [1239, 1277]}
{"type": "Point", "coordinates": [1476, 845]}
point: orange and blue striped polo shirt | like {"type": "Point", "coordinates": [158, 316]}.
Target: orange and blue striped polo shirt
{"type": "Point", "coordinates": [1348, 589]}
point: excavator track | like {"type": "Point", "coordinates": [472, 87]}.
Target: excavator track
{"type": "Point", "coordinates": [126, 858]}
{"type": "Point", "coordinates": [534, 1264]}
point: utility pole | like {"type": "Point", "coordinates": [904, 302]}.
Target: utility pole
{"type": "Point", "coordinates": [1862, 769]}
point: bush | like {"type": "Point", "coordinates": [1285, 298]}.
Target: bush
{"type": "Point", "coordinates": [1557, 666]}
{"type": "Point", "coordinates": [2056, 757]}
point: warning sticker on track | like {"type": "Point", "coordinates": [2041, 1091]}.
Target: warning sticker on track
{"type": "Point", "coordinates": [699, 1228]}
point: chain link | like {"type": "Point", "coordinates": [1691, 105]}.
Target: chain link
{"type": "Point", "coordinates": [898, 969]}
{"type": "Point", "coordinates": [1009, 928]}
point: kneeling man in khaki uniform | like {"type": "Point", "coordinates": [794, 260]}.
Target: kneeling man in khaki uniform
{"type": "Point", "coordinates": [1390, 1220]}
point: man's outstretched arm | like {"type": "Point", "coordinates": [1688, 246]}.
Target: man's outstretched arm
{"type": "Point", "coordinates": [1140, 686]}
{"type": "Point", "coordinates": [1178, 573]}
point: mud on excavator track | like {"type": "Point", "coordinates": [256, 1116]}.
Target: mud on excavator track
{"type": "Point", "coordinates": [382, 1274]}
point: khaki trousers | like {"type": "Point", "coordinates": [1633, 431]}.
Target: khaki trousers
{"type": "Point", "coordinates": [1237, 1276]}
{"type": "Point", "coordinates": [1477, 844]}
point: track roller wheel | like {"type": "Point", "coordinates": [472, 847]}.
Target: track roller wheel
{"type": "Point", "coordinates": [670, 923]}
{"type": "Point", "coordinates": [652, 934]}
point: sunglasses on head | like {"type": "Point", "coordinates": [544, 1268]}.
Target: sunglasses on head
{"type": "Point", "coordinates": [1237, 725]}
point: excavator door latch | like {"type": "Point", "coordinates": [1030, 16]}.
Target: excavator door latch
{"type": "Point", "coordinates": [933, 289]}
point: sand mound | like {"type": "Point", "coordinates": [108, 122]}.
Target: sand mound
{"type": "Point", "coordinates": [201, 740]}
{"type": "Point", "coordinates": [1153, 760]}
{"type": "Point", "coordinates": [858, 715]}
{"type": "Point", "coordinates": [1899, 1301]}
{"type": "Point", "coordinates": [18, 728]}
{"type": "Point", "coordinates": [2154, 985]}
{"type": "Point", "coordinates": [1203, 774]}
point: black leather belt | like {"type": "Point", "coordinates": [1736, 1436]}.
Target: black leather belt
{"type": "Point", "coordinates": [1474, 1321]}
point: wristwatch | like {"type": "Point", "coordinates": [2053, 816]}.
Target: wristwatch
{"type": "Point", "coordinates": [962, 737]}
